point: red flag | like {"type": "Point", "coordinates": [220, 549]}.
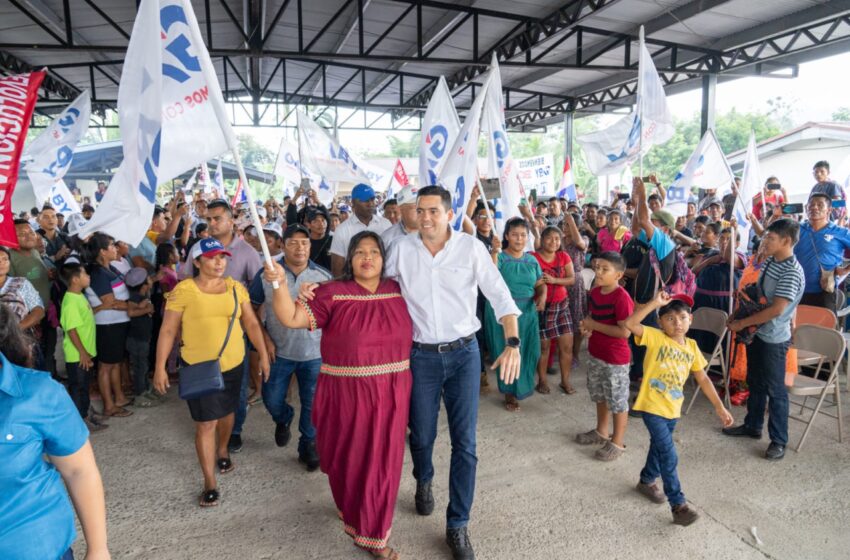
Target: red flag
{"type": "Point", "coordinates": [400, 175]}
{"type": "Point", "coordinates": [238, 196]}
{"type": "Point", "coordinates": [18, 95]}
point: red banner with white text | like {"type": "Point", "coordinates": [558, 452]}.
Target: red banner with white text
{"type": "Point", "coordinates": [18, 95]}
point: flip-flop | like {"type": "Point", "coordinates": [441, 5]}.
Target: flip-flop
{"type": "Point", "coordinates": [225, 465]}
{"type": "Point", "coordinates": [118, 412]}
{"type": "Point", "coordinates": [567, 390]}
{"type": "Point", "coordinates": [542, 389]}
{"type": "Point", "coordinates": [130, 402]}
{"type": "Point", "coordinates": [209, 498]}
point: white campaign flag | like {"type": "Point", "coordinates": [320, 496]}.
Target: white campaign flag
{"type": "Point", "coordinates": [323, 156]}
{"type": "Point", "coordinates": [62, 200]}
{"type": "Point", "coordinates": [175, 60]}
{"type": "Point", "coordinates": [459, 173]}
{"type": "Point", "coordinates": [610, 150]}
{"type": "Point", "coordinates": [751, 185]}
{"type": "Point", "coordinates": [53, 150]}
{"type": "Point", "coordinates": [287, 166]}
{"type": "Point", "coordinates": [440, 127]}
{"type": "Point", "coordinates": [707, 168]}
{"type": "Point", "coordinates": [218, 181]}
{"type": "Point", "coordinates": [378, 176]}
{"type": "Point", "coordinates": [500, 161]}
{"type": "Point", "coordinates": [191, 183]}
{"type": "Point", "coordinates": [126, 209]}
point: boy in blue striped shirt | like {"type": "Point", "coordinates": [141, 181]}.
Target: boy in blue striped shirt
{"type": "Point", "coordinates": [781, 282]}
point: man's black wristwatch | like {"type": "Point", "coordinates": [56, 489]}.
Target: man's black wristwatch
{"type": "Point", "coordinates": [512, 342]}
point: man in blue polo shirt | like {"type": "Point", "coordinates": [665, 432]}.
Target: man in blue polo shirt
{"type": "Point", "coordinates": [821, 247]}
{"type": "Point", "coordinates": [293, 350]}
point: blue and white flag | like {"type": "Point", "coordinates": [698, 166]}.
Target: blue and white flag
{"type": "Point", "coordinates": [610, 150]}
{"type": "Point", "coordinates": [459, 173]}
{"type": "Point", "coordinates": [169, 100]}
{"type": "Point", "coordinates": [707, 168]}
{"type": "Point", "coordinates": [500, 160]}
{"type": "Point", "coordinates": [52, 151]}
{"type": "Point", "coordinates": [218, 181]}
{"type": "Point", "coordinates": [751, 185]}
{"type": "Point", "coordinates": [440, 127]}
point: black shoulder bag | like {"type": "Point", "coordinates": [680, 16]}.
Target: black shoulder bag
{"type": "Point", "coordinates": [204, 378]}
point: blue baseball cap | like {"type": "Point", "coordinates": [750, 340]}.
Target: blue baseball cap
{"type": "Point", "coordinates": [208, 248]}
{"type": "Point", "coordinates": [363, 193]}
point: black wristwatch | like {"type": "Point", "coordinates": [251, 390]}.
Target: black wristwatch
{"type": "Point", "coordinates": [512, 342]}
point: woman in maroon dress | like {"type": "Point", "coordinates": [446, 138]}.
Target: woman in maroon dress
{"type": "Point", "coordinates": [363, 394]}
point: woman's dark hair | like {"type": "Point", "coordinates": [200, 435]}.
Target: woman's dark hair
{"type": "Point", "coordinates": [17, 347]}
{"type": "Point", "coordinates": [98, 242]}
{"type": "Point", "coordinates": [549, 230]}
{"type": "Point", "coordinates": [163, 252]}
{"type": "Point", "coordinates": [348, 269]}
{"type": "Point", "coordinates": [7, 251]}
{"type": "Point", "coordinates": [513, 223]}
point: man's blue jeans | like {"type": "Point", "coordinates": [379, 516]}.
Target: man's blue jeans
{"type": "Point", "coordinates": [766, 381]}
{"type": "Point", "coordinates": [242, 410]}
{"type": "Point", "coordinates": [274, 394]}
{"type": "Point", "coordinates": [456, 377]}
{"type": "Point", "coordinates": [662, 458]}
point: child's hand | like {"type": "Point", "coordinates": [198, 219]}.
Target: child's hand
{"type": "Point", "coordinates": [662, 298]}
{"type": "Point", "coordinates": [586, 326]}
{"type": "Point", "coordinates": [725, 416]}
{"type": "Point", "coordinates": [86, 361]}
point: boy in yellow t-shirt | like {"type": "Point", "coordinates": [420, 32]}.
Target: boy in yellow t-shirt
{"type": "Point", "coordinates": [670, 358]}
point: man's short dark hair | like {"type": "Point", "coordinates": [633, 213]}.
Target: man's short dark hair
{"type": "Point", "coordinates": [21, 222]}
{"type": "Point", "coordinates": [674, 306]}
{"type": "Point", "coordinates": [34, 211]}
{"type": "Point", "coordinates": [728, 230]}
{"type": "Point", "coordinates": [436, 190]}
{"type": "Point", "coordinates": [158, 211]}
{"type": "Point", "coordinates": [479, 206]}
{"type": "Point", "coordinates": [822, 163]}
{"type": "Point", "coordinates": [391, 202]}
{"type": "Point", "coordinates": [614, 259]}
{"type": "Point", "coordinates": [785, 227]}
{"type": "Point", "coordinates": [702, 220]}
{"type": "Point", "coordinates": [220, 203]}
{"type": "Point", "coordinates": [541, 203]}
{"type": "Point", "coordinates": [70, 271]}
{"type": "Point", "coordinates": [654, 196]}
{"type": "Point", "coordinates": [714, 227]}
{"type": "Point", "coordinates": [591, 205]}
{"type": "Point", "coordinates": [47, 207]}
{"type": "Point", "coordinates": [822, 195]}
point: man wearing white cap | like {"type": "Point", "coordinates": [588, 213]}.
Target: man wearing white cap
{"type": "Point", "coordinates": [407, 224]}
{"type": "Point", "coordinates": [364, 204]}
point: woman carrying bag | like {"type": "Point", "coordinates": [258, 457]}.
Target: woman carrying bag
{"type": "Point", "coordinates": [212, 310]}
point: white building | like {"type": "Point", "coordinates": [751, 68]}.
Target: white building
{"type": "Point", "coordinates": [791, 156]}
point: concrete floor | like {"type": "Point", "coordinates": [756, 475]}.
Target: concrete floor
{"type": "Point", "coordinates": [539, 495]}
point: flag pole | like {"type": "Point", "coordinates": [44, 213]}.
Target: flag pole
{"type": "Point", "coordinates": [230, 139]}
{"type": "Point", "coordinates": [639, 111]}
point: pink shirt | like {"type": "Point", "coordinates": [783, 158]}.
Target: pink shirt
{"type": "Point", "coordinates": [607, 242]}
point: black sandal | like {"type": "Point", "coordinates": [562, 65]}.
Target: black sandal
{"type": "Point", "coordinates": [209, 498]}
{"type": "Point", "coordinates": [225, 465]}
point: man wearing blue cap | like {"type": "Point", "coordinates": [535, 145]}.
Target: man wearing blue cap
{"type": "Point", "coordinates": [365, 218]}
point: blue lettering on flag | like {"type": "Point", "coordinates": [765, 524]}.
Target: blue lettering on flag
{"type": "Point", "coordinates": [457, 202]}
{"type": "Point", "coordinates": [677, 194]}
{"type": "Point", "coordinates": [68, 120]}
{"type": "Point", "coordinates": [179, 47]}
{"type": "Point", "coordinates": [148, 189]}
{"type": "Point", "coordinates": [503, 149]}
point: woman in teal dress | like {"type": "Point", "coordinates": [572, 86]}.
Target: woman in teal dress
{"type": "Point", "coordinates": [524, 277]}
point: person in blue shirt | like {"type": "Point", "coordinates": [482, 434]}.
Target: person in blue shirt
{"type": "Point", "coordinates": [821, 247]}
{"type": "Point", "coordinates": [38, 418]}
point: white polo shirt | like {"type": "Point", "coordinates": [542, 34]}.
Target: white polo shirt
{"type": "Point", "coordinates": [351, 227]}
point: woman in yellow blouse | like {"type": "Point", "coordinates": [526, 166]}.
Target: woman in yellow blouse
{"type": "Point", "coordinates": [202, 307]}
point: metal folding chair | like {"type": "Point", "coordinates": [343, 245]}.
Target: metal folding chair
{"type": "Point", "coordinates": [712, 321]}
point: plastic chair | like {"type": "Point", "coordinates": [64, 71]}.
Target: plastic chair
{"type": "Point", "coordinates": [811, 315]}
{"type": "Point", "coordinates": [712, 321]}
{"type": "Point", "coordinates": [587, 276]}
{"type": "Point", "coordinates": [830, 344]}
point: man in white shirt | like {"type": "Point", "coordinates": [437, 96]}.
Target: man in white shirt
{"type": "Point", "coordinates": [440, 271]}
{"type": "Point", "coordinates": [407, 224]}
{"type": "Point", "coordinates": [365, 218]}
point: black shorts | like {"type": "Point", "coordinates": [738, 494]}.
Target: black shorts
{"type": "Point", "coordinates": [218, 405]}
{"type": "Point", "coordinates": [111, 341]}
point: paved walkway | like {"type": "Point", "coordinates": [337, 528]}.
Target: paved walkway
{"type": "Point", "coordinates": [538, 496]}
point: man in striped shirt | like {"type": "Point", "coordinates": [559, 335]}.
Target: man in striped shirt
{"type": "Point", "coordinates": [781, 281]}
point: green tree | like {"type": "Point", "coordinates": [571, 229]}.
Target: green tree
{"type": "Point", "coordinates": [399, 147]}
{"type": "Point", "coordinates": [842, 114]}
{"type": "Point", "coordinates": [254, 154]}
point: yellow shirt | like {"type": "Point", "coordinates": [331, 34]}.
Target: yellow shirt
{"type": "Point", "coordinates": [204, 322]}
{"type": "Point", "coordinates": [665, 369]}
{"type": "Point", "coordinates": [152, 235]}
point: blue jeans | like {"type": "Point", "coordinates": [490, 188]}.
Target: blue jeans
{"type": "Point", "coordinates": [242, 410]}
{"type": "Point", "coordinates": [274, 395]}
{"type": "Point", "coordinates": [662, 458]}
{"type": "Point", "coordinates": [456, 376]}
{"type": "Point", "coordinates": [69, 555]}
{"type": "Point", "coordinates": [766, 380]}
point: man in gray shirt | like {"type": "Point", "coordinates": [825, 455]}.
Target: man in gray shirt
{"type": "Point", "coordinates": [292, 350]}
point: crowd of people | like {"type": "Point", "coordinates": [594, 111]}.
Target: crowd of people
{"type": "Point", "coordinates": [381, 310]}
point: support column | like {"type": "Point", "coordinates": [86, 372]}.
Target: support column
{"type": "Point", "coordinates": [568, 135]}
{"type": "Point", "coordinates": [709, 90]}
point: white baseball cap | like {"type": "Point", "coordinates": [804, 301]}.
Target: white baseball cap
{"type": "Point", "coordinates": [407, 195]}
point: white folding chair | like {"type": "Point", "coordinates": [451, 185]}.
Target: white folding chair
{"type": "Point", "coordinates": [712, 321]}
{"type": "Point", "coordinates": [587, 276]}
{"type": "Point", "coordinates": [831, 345]}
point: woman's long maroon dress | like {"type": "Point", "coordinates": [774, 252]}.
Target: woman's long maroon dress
{"type": "Point", "coordinates": [362, 401]}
